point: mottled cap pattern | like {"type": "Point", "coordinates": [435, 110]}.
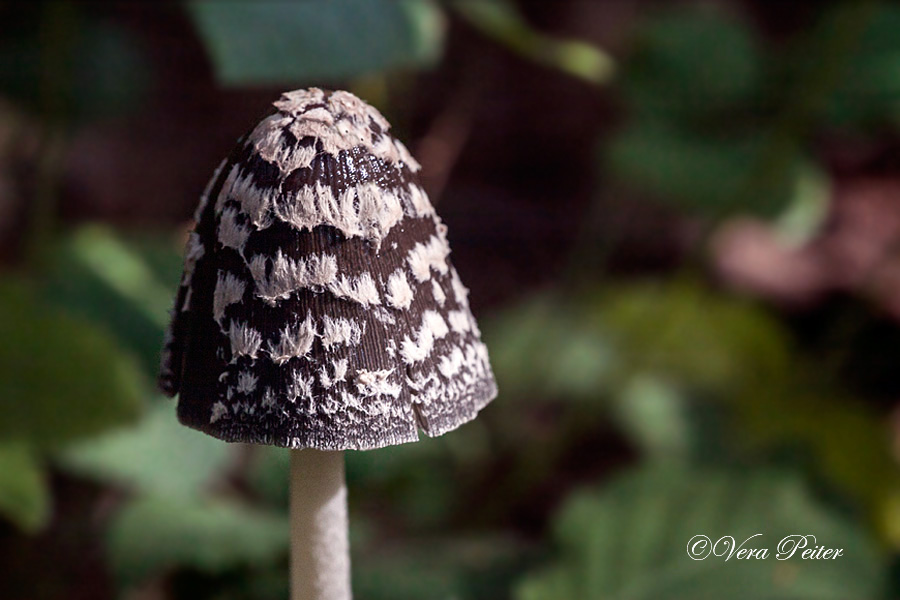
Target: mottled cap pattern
{"type": "Point", "coordinates": [318, 306]}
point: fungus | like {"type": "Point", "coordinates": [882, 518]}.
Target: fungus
{"type": "Point", "coordinates": [319, 311]}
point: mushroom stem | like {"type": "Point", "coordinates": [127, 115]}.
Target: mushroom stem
{"type": "Point", "coordinates": [320, 550]}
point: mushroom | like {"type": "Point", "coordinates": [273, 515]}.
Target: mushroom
{"type": "Point", "coordinates": [319, 311]}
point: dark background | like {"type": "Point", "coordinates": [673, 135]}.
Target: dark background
{"type": "Point", "coordinates": [680, 225]}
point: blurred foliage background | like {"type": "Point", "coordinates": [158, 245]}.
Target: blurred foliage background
{"type": "Point", "coordinates": [680, 222]}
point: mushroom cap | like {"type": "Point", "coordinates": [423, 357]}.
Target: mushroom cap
{"type": "Point", "coordinates": [318, 306]}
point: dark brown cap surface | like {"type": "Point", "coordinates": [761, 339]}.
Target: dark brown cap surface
{"type": "Point", "coordinates": [318, 306]}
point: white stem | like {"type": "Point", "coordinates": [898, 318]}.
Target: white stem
{"type": "Point", "coordinates": [320, 550]}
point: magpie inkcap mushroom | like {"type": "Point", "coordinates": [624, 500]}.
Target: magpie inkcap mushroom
{"type": "Point", "coordinates": [318, 306]}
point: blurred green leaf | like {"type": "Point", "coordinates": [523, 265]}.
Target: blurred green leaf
{"type": "Point", "coordinates": [685, 340]}
{"type": "Point", "coordinates": [502, 21]}
{"type": "Point", "coordinates": [848, 445]}
{"type": "Point", "coordinates": [697, 339]}
{"type": "Point", "coordinates": [404, 485]}
{"type": "Point", "coordinates": [152, 534]}
{"type": "Point", "coordinates": [869, 93]}
{"type": "Point", "coordinates": [69, 65]}
{"type": "Point", "coordinates": [123, 286]}
{"type": "Point", "coordinates": [592, 344]}
{"type": "Point", "coordinates": [156, 456]}
{"type": "Point", "coordinates": [694, 336]}
{"type": "Point", "coordinates": [101, 252]}
{"type": "Point", "coordinates": [24, 496]}
{"type": "Point", "coordinates": [693, 62]}
{"type": "Point", "coordinates": [692, 374]}
{"type": "Point", "coordinates": [804, 216]}
{"type": "Point", "coordinates": [546, 345]}
{"type": "Point", "coordinates": [655, 415]}
{"type": "Point", "coordinates": [699, 173]}
{"type": "Point", "coordinates": [280, 42]}
{"type": "Point", "coordinates": [629, 540]}
{"type": "Point", "coordinates": [161, 253]}
{"type": "Point", "coordinates": [61, 378]}
{"type": "Point", "coordinates": [270, 474]}
{"type": "Point", "coordinates": [439, 569]}
{"type": "Point", "coordinates": [715, 132]}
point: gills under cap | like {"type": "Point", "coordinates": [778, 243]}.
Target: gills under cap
{"type": "Point", "coordinates": [318, 306]}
